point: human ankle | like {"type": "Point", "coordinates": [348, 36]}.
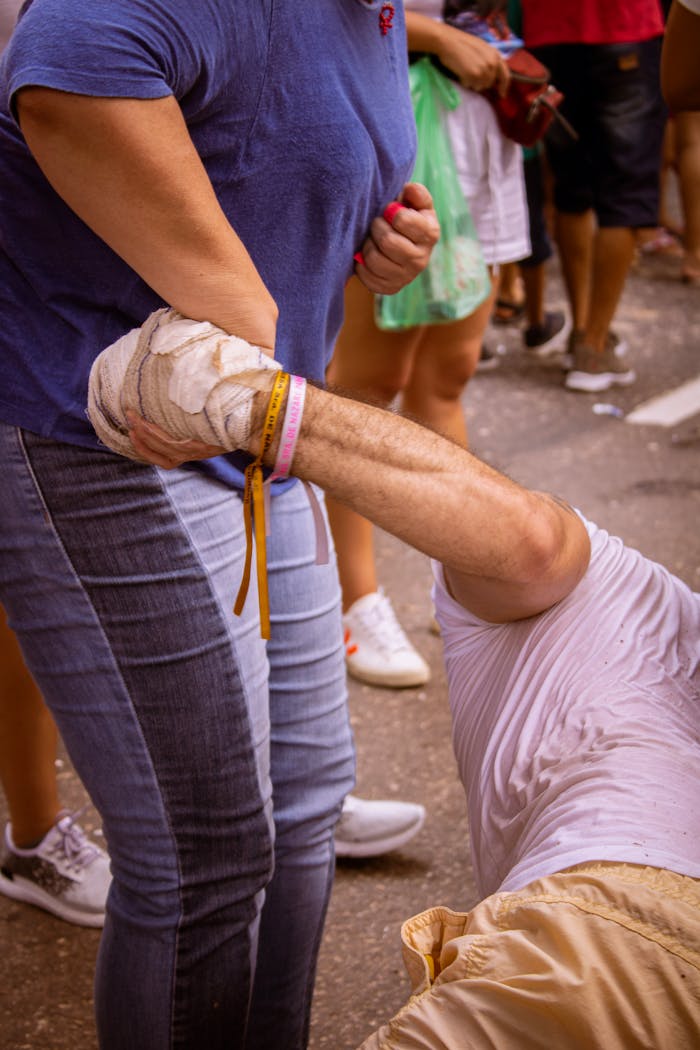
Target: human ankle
{"type": "Point", "coordinates": [29, 836]}
{"type": "Point", "coordinates": [595, 340]}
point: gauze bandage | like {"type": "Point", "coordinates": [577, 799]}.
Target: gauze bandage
{"type": "Point", "coordinates": [189, 377]}
{"type": "Point", "coordinates": [195, 381]}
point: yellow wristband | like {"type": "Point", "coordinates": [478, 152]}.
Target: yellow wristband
{"type": "Point", "coordinates": [254, 510]}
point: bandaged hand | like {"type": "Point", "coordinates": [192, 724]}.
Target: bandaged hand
{"type": "Point", "coordinates": [174, 390]}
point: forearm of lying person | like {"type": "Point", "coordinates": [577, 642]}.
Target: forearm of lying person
{"type": "Point", "coordinates": [508, 552]}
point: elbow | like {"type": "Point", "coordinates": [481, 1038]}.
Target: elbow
{"type": "Point", "coordinates": [538, 548]}
{"type": "Point", "coordinates": [553, 556]}
{"type": "Point", "coordinates": [543, 553]}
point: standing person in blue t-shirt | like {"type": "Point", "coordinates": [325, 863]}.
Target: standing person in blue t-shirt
{"type": "Point", "coordinates": [231, 167]}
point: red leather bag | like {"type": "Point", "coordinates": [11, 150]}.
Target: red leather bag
{"type": "Point", "coordinates": [531, 103]}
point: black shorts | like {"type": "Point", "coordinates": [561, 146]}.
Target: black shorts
{"type": "Point", "coordinates": [613, 100]}
{"type": "Point", "coordinates": [540, 243]}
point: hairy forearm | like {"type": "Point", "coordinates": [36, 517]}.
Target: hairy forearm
{"type": "Point", "coordinates": [508, 552]}
{"type": "Point", "coordinates": [129, 170]}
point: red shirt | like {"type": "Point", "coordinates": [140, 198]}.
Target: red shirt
{"type": "Point", "coordinates": [590, 21]}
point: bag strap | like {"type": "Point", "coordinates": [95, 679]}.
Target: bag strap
{"type": "Point", "coordinates": [526, 78]}
{"type": "Point", "coordinates": [543, 100]}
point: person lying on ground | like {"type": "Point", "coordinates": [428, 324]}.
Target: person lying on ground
{"type": "Point", "coordinates": [573, 668]}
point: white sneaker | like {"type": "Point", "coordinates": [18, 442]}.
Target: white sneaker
{"type": "Point", "coordinates": [376, 649]}
{"type": "Point", "coordinates": [66, 874]}
{"type": "Point", "coordinates": [368, 829]}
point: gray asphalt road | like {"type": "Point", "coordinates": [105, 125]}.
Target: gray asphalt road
{"type": "Point", "coordinates": [641, 482]}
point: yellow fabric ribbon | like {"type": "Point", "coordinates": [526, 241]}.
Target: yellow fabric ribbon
{"type": "Point", "coordinates": [254, 510]}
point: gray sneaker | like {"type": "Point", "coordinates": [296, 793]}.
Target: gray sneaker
{"type": "Point", "coordinates": [66, 874]}
{"type": "Point", "coordinates": [592, 371]}
{"type": "Point", "coordinates": [548, 338]}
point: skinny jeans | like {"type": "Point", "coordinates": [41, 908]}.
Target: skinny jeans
{"type": "Point", "coordinates": [218, 762]}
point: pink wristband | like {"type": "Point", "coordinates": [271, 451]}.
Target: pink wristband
{"type": "Point", "coordinates": [290, 428]}
{"type": "Point", "coordinates": [285, 454]}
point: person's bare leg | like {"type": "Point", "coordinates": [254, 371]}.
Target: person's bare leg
{"type": "Point", "coordinates": [688, 147]}
{"type": "Point", "coordinates": [371, 365]}
{"type": "Point", "coordinates": [669, 164]}
{"type": "Point", "coordinates": [28, 739]}
{"type": "Point", "coordinates": [511, 294]}
{"type": "Point", "coordinates": [613, 252]}
{"type": "Point", "coordinates": [444, 362]}
{"type": "Point", "coordinates": [353, 537]}
{"type": "Point", "coordinates": [534, 281]}
{"type": "Point", "coordinates": [574, 236]}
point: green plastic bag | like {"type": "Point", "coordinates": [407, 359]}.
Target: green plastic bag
{"type": "Point", "coordinates": [456, 279]}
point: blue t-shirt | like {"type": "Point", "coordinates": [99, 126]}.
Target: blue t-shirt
{"type": "Point", "coordinates": [301, 114]}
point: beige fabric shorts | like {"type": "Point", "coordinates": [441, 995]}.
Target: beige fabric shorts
{"type": "Point", "coordinates": [598, 957]}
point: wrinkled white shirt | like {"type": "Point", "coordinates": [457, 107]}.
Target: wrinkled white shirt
{"type": "Point", "coordinates": [577, 732]}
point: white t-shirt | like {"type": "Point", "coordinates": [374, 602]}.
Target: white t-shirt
{"type": "Point", "coordinates": [577, 732]}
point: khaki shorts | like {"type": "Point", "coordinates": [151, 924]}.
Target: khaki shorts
{"type": "Point", "coordinates": [598, 957]}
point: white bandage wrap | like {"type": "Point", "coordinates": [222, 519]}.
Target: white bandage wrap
{"type": "Point", "coordinates": [189, 377]}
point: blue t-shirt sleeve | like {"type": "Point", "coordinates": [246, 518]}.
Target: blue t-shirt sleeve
{"type": "Point", "coordinates": [106, 48]}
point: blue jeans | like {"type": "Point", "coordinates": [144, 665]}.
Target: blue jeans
{"type": "Point", "coordinates": [218, 763]}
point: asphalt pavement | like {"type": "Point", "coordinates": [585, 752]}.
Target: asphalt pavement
{"type": "Point", "coordinates": [640, 481]}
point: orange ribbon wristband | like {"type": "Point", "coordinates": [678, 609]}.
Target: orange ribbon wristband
{"type": "Point", "coordinates": [254, 510]}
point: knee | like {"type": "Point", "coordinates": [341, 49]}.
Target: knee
{"type": "Point", "coordinates": [184, 876]}
{"type": "Point", "coordinates": [448, 383]}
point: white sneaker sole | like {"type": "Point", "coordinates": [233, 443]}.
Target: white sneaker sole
{"type": "Point", "coordinates": [389, 679]}
{"type": "Point", "coordinates": [593, 383]}
{"type": "Point", "coordinates": [380, 846]}
{"type": "Point", "coordinates": [20, 889]}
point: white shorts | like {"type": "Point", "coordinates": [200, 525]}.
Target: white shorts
{"type": "Point", "coordinates": [490, 169]}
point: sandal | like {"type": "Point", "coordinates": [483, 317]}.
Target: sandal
{"type": "Point", "coordinates": [508, 312]}
{"type": "Point", "coordinates": [662, 242]}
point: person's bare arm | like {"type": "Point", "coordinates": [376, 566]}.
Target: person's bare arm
{"type": "Point", "coordinates": [474, 62]}
{"type": "Point", "coordinates": [129, 169]}
{"type": "Point", "coordinates": [508, 552]}
{"type": "Point", "coordinates": [680, 61]}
